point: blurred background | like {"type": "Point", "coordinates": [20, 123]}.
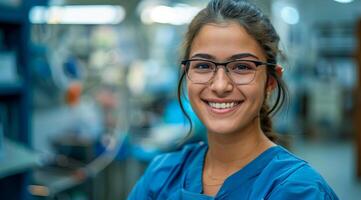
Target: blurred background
{"type": "Point", "coordinates": [88, 92]}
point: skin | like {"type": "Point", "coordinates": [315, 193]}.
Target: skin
{"type": "Point", "coordinates": [235, 137]}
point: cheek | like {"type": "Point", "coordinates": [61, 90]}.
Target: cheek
{"type": "Point", "coordinates": [261, 81]}
{"type": "Point", "coordinates": [253, 93]}
{"type": "Point", "coordinates": [192, 93]}
{"type": "Point", "coordinates": [189, 90]}
{"type": "Point", "coordinates": [256, 90]}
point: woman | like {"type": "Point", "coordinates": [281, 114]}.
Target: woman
{"type": "Point", "coordinates": [230, 69]}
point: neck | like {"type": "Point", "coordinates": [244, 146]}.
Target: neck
{"type": "Point", "coordinates": [234, 151]}
{"type": "Point", "coordinates": [230, 152]}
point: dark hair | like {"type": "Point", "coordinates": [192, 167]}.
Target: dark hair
{"type": "Point", "coordinates": [260, 28]}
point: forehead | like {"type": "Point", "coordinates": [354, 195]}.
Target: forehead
{"type": "Point", "coordinates": [224, 40]}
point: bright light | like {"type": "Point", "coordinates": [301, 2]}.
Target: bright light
{"type": "Point", "coordinates": [98, 14]}
{"type": "Point", "coordinates": [178, 15]}
{"type": "Point", "coordinates": [344, 1]}
{"type": "Point", "coordinates": [162, 14]}
{"type": "Point", "coordinates": [290, 15]}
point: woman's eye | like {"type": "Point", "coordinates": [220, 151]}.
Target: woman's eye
{"type": "Point", "coordinates": [202, 66]}
{"type": "Point", "coordinates": [242, 66]}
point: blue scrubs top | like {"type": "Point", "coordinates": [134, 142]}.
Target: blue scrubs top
{"type": "Point", "coordinates": [275, 174]}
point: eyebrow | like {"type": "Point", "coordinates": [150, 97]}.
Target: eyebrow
{"type": "Point", "coordinates": [203, 55]}
{"type": "Point", "coordinates": [236, 56]}
{"type": "Point", "coordinates": [242, 55]}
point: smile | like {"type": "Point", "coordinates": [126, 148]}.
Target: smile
{"type": "Point", "coordinates": [227, 105]}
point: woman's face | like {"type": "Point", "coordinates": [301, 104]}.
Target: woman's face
{"type": "Point", "coordinates": [221, 43]}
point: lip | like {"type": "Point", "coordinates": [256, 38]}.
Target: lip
{"type": "Point", "coordinates": [222, 111]}
{"type": "Point", "coordinates": [222, 100]}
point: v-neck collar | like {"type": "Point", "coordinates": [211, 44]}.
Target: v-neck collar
{"type": "Point", "coordinates": [193, 178]}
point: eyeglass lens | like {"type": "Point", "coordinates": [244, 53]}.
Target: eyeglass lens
{"type": "Point", "coordinates": [241, 72]}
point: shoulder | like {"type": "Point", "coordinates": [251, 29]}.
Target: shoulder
{"type": "Point", "coordinates": [166, 170]}
{"type": "Point", "coordinates": [295, 178]}
{"type": "Point", "coordinates": [178, 158]}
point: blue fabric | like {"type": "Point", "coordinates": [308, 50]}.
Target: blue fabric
{"type": "Point", "coordinates": [275, 175]}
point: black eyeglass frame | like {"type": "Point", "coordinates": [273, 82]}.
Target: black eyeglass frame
{"type": "Point", "coordinates": [224, 65]}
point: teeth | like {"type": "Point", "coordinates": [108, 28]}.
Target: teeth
{"type": "Point", "coordinates": [222, 105]}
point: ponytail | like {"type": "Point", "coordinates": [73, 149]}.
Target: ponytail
{"type": "Point", "coordinates": [266, 124]}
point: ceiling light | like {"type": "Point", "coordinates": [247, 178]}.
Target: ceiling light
{"type": "Point", "coordinates": [90, 14]}
{"type": "Point", "coordinates": [344, 1]}
{"type": "Point", "coordinates": [177, 15]}
{"type": "Point", "coordinates": [290, 15]}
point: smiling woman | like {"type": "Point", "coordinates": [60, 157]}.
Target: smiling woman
{"type": "Point", "coordinates": [243, 86]}
{"type": "Point", "coordinates": [230, 69]}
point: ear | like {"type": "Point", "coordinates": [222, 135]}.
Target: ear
{"type": "Point", "coordinates": [272, 82]}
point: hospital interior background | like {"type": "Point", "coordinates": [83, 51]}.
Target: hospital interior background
{"type": "Point", "coordinates": [88, 92]}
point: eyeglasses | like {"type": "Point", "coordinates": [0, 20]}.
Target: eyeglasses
{"type": "Point", "coordinates": [240, 71]}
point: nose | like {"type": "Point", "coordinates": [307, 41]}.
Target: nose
{"type": "Point", "coordinates": [221, 84]}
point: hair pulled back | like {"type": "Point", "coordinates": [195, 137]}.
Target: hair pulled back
{"type": "Point", "coordinates": [260, 28]}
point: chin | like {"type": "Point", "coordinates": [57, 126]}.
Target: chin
{"type": "Point", "coordinates": [222, 128]}
{"type": "Point", "coordinates": [227, 127]}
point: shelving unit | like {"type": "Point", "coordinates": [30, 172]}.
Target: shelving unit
{"type": "Point", "coordinates": [11, 89]}
{"type": "Point", "coordinates": [16, 156]}
{"type": "Point", "coordinates": [12, 15]}
{"type": "Point", "coordinates": [51, 181]}
{"type": "Point", "coordinates": [357, 116]}
{"type": "Point", "coordinates": [14, 26]}
{"type": "Point", "coordinates": [12, 152]}
{"type": "Point", "coordinates": [330, 98]}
